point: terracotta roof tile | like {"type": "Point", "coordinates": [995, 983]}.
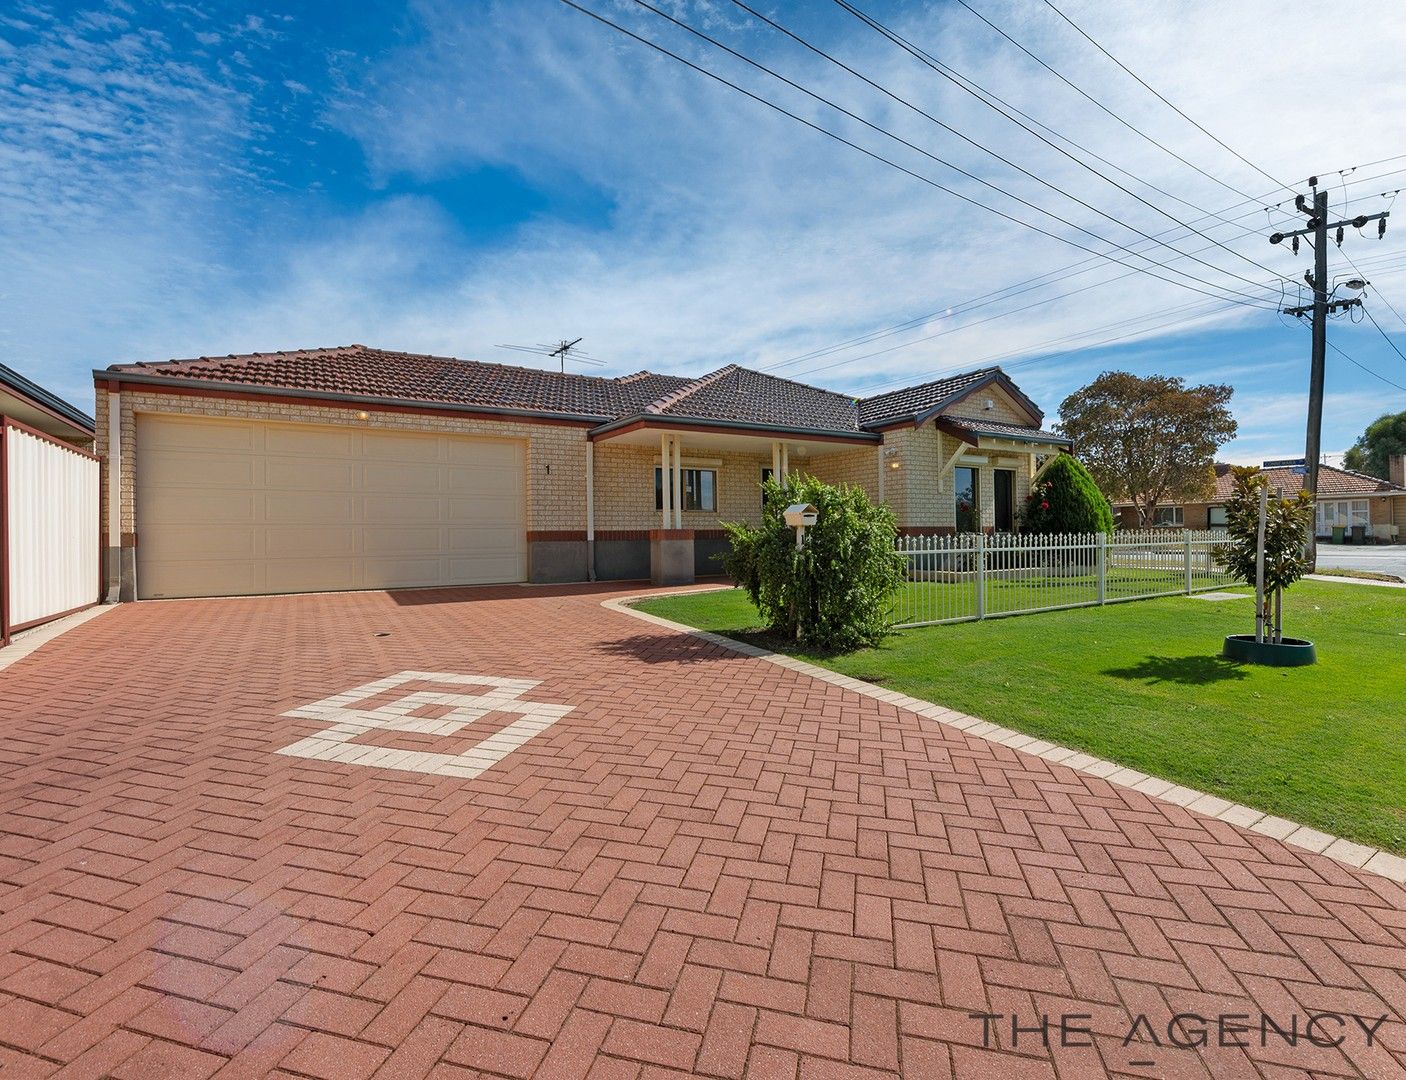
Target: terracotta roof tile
{"type": "Point", "coordinates": [997, 427]}
{"type": "Point", "coordinates": [1332, 482]}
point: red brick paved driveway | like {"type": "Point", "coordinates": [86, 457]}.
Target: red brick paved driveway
{"type": "Point", "coordinates": [711, 865]}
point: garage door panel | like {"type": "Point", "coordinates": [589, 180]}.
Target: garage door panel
{"type": "Point", "coordinates": [294, 474]}
{"type": "Point", "coordinates": [487, 453]}
{"type": "Point", "coordinates": [311, 441]}
{"type": "Point", "coordinates": [203, 542]}
{"type": "Point", "coordinates": [202, 471]}
{"type": "Point", "coordinates": [500, 508]}
{"type": "Point", "coordinates": [396, 476]}
{"type": "Point", "coordinates": [202, 509]}
{"type": "Point", "coordinates": [184, 433]}
{"type": "Point", "coordinates": [310, 575]}
{"type": "Point", "coordinates": [247, 507]}
{"type": "Point", "coordinates": [403, 540]}
{"type": "Point", "coordinates": [309, 508]}
{"type": "Point", "coordinates": [304, 541]}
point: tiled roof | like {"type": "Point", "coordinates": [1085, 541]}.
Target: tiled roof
{"type": "Point", "coordinates": [916, 400]}
{"type": "Point", "coordinates": [740, 395]}
{"type": "Point", "coordinates": [998, 428]}
{"type": "Point", "coordinates": [1332, 482]}
{"type": "Point", "coordinates": [361, 372]}
{"type": "Point", "coordinates": [732, 394]}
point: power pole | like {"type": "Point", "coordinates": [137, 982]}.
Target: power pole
{"type": "Point", "coordinates": [1318, 228]}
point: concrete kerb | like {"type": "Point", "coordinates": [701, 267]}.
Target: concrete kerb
{"type": "Point", "coordinates": [1359, 856]}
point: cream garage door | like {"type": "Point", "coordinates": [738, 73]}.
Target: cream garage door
{"type": "Point", "coordinates": [231, 508]}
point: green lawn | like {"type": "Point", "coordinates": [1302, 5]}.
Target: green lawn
{"type": "Point", "coordinates": [1142, 683]}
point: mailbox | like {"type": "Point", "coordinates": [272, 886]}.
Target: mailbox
{"type": "Point", "coordinates": [798, 516]}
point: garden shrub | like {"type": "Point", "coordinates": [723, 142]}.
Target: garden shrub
{"type": "Point", "coordinates": [1287, 521]}
{"type": "Point", "coordinates": [834, 592]}
{"type": "Point", "coordinates": [1064, 499]}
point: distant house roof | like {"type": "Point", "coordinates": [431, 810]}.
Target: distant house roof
{"type": "Point", "coordinates": [731, 395]}
{"type": "Point", "coordinates": [36, 404]}
{"type": "Point", "coordinates": [1332, 482]}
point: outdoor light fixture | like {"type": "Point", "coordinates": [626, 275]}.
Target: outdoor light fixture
{"type": "Point", "coordinates": [1356, 284]}
{"type": "Point", "coordinates": [363, 416]}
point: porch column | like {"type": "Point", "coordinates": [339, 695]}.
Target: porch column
{"type": "Point", "coordinates": [785, 461]}
{"type": "Point", "coordinates": [776, 460]}
{"type": "Point", "coordinates": [678, 481]}
{"type": "Point", "coordinates": [665, 485]}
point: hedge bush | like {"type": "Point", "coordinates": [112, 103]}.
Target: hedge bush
{"type": "Point", "coordinates": [1064, 499]}
{"type": "Point", "coordinates": [834, 592]}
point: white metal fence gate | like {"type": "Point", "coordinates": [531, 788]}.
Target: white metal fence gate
{"type": "Point", "coordinates": [976, 576]}
{"type": "Point", "coordinates": [48, 528]}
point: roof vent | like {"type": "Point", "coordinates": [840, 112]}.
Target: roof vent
{"type": "Point", "coordinates": [989, 404]}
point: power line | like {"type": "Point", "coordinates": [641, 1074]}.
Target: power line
{"type": "Point", "coordinates": [1365, 368]}
{"type": "Point", "coordinates": [942, 69]}
{"type": "Point", "coordinates": [1385, 337]}
{"type": "Point", "coordinates": [908, 104]}
{"type": "Point", "coordinates": [942, 161]}
{"type": "Point", "coordinates": [1028, 285]}
{"type": "Point", "coordinates": [891, 163]}
{"type": "Point", "coordinates": [1089, 97]}
{"type": "Point", "coordinates": [1164, 101]}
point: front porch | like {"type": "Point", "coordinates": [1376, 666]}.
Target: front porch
{"type": "Point", "coordinates": [658, 493]}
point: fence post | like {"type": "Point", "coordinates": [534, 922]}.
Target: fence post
{"type": "Point", "coordinates": [1187, 535]}
{"type": "Point", "coordinates": [981, 575]}
{"type": "Point", "coordinates": [1101, 563]}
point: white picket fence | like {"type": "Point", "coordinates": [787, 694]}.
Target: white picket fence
{"type": "Point", "coordinates": [975, 576]}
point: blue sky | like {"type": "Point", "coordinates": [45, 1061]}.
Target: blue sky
{"type": "Point", "coordinates": [185, 179]}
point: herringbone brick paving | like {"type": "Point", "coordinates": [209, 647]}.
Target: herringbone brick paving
{"type": "Point", "coordinates": [711, 866]}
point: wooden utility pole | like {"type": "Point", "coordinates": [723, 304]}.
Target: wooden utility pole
{"type": "Point", "coordinates": [1318, 228]}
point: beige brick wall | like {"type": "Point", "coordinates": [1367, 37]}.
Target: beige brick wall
{"type": "Point", "coordinates": [1006, 410]}
{"type": "Point", "coordinates": [556, 454]}
{"type": "Point", "coordinates": [624, 486]}
{"type": "Point", "coordinates": [858, 467]}
{"type": "Point", "coordinates": [923, 501]}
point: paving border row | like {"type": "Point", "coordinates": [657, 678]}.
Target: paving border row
{"type": "Point", "coordinates": [1349, 852]}
{"type": "Point", "coordinates": [28, 641]}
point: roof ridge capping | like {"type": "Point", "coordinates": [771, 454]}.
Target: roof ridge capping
{"type": "Point", "coordinates": [666, 401]}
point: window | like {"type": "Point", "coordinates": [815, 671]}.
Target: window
{"type": "Point", "coordinates": [1005, 499]}
{"type": "Point", "coordinates": [968, 508]}
{"type": "Point", "coordinates": [700, 489]}
{"type": "Point", "coordinates": [766, 475]}
{"type": "Point", "coordinates": [1215, 517]}
{"type": "Point", "coordinates": [1168, 517]}
{"type": "Point", "coordinates": [1344, 512]}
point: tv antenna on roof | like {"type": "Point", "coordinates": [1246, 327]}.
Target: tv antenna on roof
{"type": "Point", "coordinates": [562, 350]}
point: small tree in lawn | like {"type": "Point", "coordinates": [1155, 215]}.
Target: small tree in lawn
{"type": "Point", "coordinates": [1064, 499]}
{"type": "Point", "coordinates": [1287, 521]}
{"type": "Point", "coordinates": [834, 592]}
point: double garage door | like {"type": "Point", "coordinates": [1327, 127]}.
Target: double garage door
{"type": "Point", "coordinates": [232, 508]}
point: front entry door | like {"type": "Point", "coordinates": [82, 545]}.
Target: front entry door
{"type": "Point", "coordinates": [1005, 500]}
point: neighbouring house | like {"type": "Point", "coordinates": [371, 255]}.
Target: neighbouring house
{"type": "Point", "coordinates": [48, 506]}
{"type": "Point", "coordinates": [353, 467]}
{"type": "Point", "coordinates": [1345, 498]}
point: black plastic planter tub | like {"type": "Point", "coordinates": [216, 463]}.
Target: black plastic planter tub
{"type": "Point", "coordinates": [1291, 652]}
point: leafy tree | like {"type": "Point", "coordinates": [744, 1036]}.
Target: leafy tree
{"type": "Point", "coordinates": [1149, 440]}
{"type": "Point", "coordinates": [1287, 521]}
{"type": "Point", "coordinates": [1384, 437]}
{"type": "Point", "coordinates": [1064, 499]}
{"type": "Point", "coordinates": [832, 593]}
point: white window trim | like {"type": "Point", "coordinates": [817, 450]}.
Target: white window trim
{"type": "Point", "coordinates": [668, 492]}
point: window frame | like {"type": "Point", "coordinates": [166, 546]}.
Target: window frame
{"type": "Point", "coordinates": [766, 475]}
{"type": "Point", "coordinates": [1177, 514]}
{"type": "Point", "coordinates": [691, 493]}
{"type": "Point", "coordinates": [975, 489]}
{"type": "Point", "coordinates": [1224, 521]}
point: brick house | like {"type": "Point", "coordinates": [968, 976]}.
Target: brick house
{"type": "Point", "coordinates": [354, 467]}
{"type": "Point", "coordinates": [1345, 498]}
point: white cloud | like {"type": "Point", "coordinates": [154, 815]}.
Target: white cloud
{"type": "Point", "coordinates": [734, 234]}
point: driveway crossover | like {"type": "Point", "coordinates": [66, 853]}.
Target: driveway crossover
{"type": "Point", "coordinates": [698, 863]}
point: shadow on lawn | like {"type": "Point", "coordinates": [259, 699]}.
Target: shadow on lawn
{"type": "Point", "coordinates": [1188, 670]}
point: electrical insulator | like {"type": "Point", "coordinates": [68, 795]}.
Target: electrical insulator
{"type": "Point", "coordinates": [1381, 227]}
{"type": "Point", "coordinates": [1340, 236]}
{"type": "Point", "coordinates": [1296, 245]}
